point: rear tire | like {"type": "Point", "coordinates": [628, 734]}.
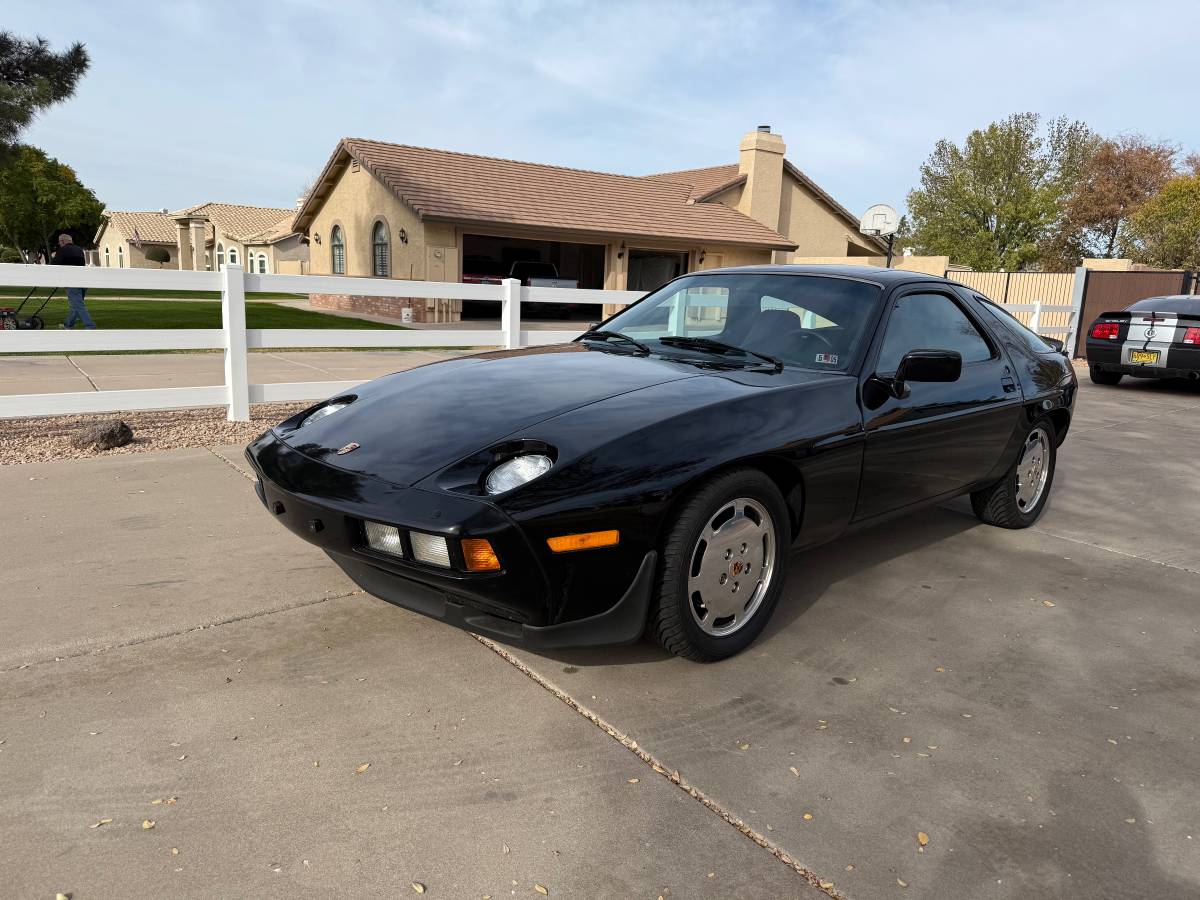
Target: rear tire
{"type": "Point", "coordinates": [1101, 377]}
{"type": "Point", "coordinates": [1017, 499]}
{"type": "Point", "coordinates": [698, 611]}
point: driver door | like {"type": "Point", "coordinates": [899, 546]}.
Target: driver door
{"type": "Point", "coordinates": [936, 438]}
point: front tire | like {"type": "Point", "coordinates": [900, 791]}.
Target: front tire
{"type": "Point", "coordinates": [1099, 376]}
{"type": "Point", "coordinates": [1017, 499]}
{"type": "Point", "coordinates": [724, 562]}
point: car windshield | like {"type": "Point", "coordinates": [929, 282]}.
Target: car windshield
{"type": "Point", "coordinates": [811, 321]}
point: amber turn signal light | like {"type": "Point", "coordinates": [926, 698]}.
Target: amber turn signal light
{"type": "Point", "coordinates": [570, 542]}
{"type": "Point", "coordinates": [479, 555]}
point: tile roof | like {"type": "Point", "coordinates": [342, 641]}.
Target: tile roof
{"type": "Point", "coordinates": [712, 180]}
{"type": "Point", "coordinates": [704, 182]}
{"type": "Point", "coordinates": [277, 232]}
{"type": "Point", "coordinates": [239, 222]}
{"type": "Point", "coordinates": [154, 227]}
{"type": "Point", "coordinates": [461, 187]}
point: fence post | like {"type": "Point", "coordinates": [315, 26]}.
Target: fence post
{"type": "Point", "coordinates": [510, 313]}
{"type": "Point", "coordinates": [1035, 321]}
{"type": "Point", "coordinates": [1078, 291]}
{"type": "Point", "coordinates": [233, 321]}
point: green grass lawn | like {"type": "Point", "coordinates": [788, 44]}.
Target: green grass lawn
{"type": "Point", "coordinates": [8, 292]}
{"type": "Point", "coordinates": [113, 313]}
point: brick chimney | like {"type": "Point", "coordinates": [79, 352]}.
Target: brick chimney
{"type": "Point", "coordinates": [761, 161]}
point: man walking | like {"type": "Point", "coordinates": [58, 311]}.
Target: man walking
{"type": "Point", "coordinates": [70, 254]}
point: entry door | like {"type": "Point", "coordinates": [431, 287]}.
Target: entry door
{"type": "Point", "coordinates": [937, 438]}
{"type": "Point", "coordinates": [651, 269]}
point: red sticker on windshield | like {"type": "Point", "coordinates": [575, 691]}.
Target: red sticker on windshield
{"type": "Point", "coordinates": [827, 358]}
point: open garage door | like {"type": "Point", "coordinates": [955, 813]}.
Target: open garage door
{"type": "Point", "coordinates": [487, 259]}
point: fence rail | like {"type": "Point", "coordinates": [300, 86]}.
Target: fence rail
{"type": "Point", "coordinates": [1045, 309]}
{"type": "Point", "coordinates": [235, 340]}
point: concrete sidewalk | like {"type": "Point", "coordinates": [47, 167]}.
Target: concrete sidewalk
{"type": "Point", "coordinates": [95, 372]}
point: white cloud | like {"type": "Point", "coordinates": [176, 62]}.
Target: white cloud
{"type": "Point", "coordinates": [244, 102]}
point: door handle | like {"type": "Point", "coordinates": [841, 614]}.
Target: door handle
{"type": "Point", "coordinates": [1008, 384]}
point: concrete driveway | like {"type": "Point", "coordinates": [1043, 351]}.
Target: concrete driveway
{"type": "Point", "coordinates": [1027, 701]}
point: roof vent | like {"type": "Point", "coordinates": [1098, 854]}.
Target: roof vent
{"type": "Point", "coordinates": [164, 210]}
{"type": "Point", "coordinates": [764, 129]}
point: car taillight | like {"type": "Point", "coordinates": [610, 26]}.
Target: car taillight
{"type": "Point", "coordinates": [1192, 336]}
{"type": "Point", "coordinates": [1106, 331]}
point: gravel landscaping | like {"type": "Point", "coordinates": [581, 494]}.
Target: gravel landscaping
{"type": "Point", "coordinates": [49, 437]}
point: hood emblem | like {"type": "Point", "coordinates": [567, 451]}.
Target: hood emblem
{"type": "Point", "coordinates": [349, 448]}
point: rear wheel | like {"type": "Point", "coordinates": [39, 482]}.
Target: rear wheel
{"type": "Point", "coordinates": [1017, 499]}
{"type": "Point", "coordinates": [723, 569]}
{"type": "Point", "coordinates": [1100, 377]}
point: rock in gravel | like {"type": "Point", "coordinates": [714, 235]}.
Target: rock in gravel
{"type": "Point", "coordinates": [103, 436]}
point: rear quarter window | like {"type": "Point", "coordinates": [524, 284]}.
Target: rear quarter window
{"type": "Point", "coordinates": [1013, 326]}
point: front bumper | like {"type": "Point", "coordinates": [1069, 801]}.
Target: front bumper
{"type": "Point", "coordinates": [326, 506]}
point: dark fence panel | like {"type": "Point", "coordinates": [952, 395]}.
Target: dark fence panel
{"type": "Point", "coordinates": [1111, 291]}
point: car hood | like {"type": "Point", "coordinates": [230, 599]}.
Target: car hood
{"type": "Point", "coordinates": [412, 423]}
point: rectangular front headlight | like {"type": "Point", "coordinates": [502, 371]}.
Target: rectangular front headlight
{"type": "Point", "coordinates": [384, 538]}
{"type": "Point", "coordinates": [430, 548]}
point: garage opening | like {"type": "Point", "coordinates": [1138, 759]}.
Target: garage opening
{"type": "Point", "coordinates": [488, 259]}
{"type": "Point", "coordinates": [651, 269]}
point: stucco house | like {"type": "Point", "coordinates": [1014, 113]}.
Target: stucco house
{"type": "Point", "coordinates": [396, 211]}
{"type": "Point", "coordinates": [203, 237]}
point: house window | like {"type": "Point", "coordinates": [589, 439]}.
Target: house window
{"type": "Point", "coordinates": [120, 256]}
{"type": "Point", "coordinates": [106, 258]}
{"type": "Point", "coordinates": [220, 257]}
{"type": "Point", "coordinates": [381, 263]}
{"type": "Point", "coordinates": [337, 250]}
{"type": "Point", "coordinates": [262, 264]}
{"type": "Point", "coordinates": [233, 256]}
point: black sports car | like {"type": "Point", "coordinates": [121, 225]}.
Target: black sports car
{"type": "Point", "coordinates": [1158, 337]}
{"type": "Point", "coordinates": [653, 474]}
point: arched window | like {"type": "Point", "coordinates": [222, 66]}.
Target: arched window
{"type": "Point", "coordinates": [106, 258]}
{"type": "Point", "coordinates": [381, 262]}
{"type": "Point", "coordinates": [220, 257]}
{"type": "Point", "coordinates": [262, 264]}
{"type": "Point", "coordinates": [337, 250]}
{"type": "Point", "coordinates": [233, 256]}
{"type": "Point", "coordinates": [120, 256]}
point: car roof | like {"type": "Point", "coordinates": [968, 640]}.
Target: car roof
{"type": "Point", "coordinates": [876, 274]}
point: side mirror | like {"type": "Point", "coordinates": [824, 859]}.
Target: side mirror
{"type": "Point", "coordinates": [1059, 346]}
{"type": "Point", "coordinates": [917, 365]}
{"type": "Point", "coordinates": [928, 366]}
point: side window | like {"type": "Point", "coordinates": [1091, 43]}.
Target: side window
{"type": "Point", "coordinates": [1015, 326]}
{"type": "Point", "coordinates": [930, 322]}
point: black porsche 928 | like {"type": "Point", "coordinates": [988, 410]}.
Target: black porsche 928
{"type": "Point", "coordinates": [653, 474]}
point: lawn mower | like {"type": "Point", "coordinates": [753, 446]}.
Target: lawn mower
{"type": "Point", "coordinates": [11, 319]}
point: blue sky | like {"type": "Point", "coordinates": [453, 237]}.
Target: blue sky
{"type": "Point", "coordinates": [243, 102]}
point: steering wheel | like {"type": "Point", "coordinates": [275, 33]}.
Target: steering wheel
{"type": "Point", "coordinates": [809, 333]}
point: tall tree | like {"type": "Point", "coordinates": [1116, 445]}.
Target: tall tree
{"type": "Point", "coordinates": [1165, 230]}
{"type": "Point", "coordinates": [991, 202]}
{"type": "Point", "coordinates": [32, 78]}
{"type": "Point", "coordinates": [1115, 179]}
{"type": "Point", "coordinates": [40, 197]}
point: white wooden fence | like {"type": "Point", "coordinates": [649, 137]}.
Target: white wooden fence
{"type": "Point", "coordinates": [235, 339]}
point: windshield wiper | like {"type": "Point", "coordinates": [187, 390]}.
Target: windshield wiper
{"type": "Point", "coordinates": [703, 343]}
{"type": "Point", "coordinates": [602, 334]}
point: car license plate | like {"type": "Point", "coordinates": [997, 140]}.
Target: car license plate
{"type": "Point", "coordinates": [1147, 357]}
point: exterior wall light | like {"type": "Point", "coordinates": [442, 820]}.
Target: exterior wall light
{"type": "Point", "coordinates": [403, 235]}
{"type": "Point", "coordinates": [316, 238]}
{"type": "Point", "coordinates": [701, 258]}
{"type": "Point", "coordinates": [621, 251]}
